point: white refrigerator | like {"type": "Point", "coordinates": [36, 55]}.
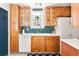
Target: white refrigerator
{"type": "Point", "coordinates": [63, 27]}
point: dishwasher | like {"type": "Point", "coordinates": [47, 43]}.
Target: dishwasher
{"type": "Point", "coordinates": [24, 43]}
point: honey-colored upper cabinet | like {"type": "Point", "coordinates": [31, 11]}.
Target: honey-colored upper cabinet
{"type": "Point", "coordinates": [75, 14]}
{"type": "Point", "coordinates": [25, 16]}
{"type": "Point", "coordinates": [51, 13]}
{"type": "Point", "coordinates": [14, 28]}
{"type": "Point", "coordinates": [50, 16]}
{"type": "Point", "coordinates": [63, 11]}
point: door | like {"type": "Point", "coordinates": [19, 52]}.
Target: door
{"type": "Point", "coordinates": [3, 32]}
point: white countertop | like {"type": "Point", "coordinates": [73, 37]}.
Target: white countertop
{"type": "Point", "coordinates": [40, 34]}
{"type": "Point", "coordinates": [72, 42]}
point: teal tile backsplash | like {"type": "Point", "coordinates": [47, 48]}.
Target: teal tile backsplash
{"type": "Point", "coordinates": [47, 29]}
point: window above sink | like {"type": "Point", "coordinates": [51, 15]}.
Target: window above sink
{"type": "Point", "coordinates": [37, 17]}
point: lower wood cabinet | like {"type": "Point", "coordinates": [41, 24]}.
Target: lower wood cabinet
{"type": "Point", "coordinates": [41, 44]}
{"type": "Point", "coordinates": [38, 44]}
{"type": "Point", "coordinates": [45, 44]}
{"type": "Point", "coordinates": [52, 43]}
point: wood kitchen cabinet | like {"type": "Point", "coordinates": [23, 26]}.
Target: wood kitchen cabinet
{"type": "Point", "coordinates": [75, 14]}
{"type": "Point", "coordinates": [52, 13]}
{"type": "Point", "coordinates": [45, 44]}
{"type": "Point", "coordinates": [38, 44]}
{"type": "Point", "coordinates": [25, 16]}
{"type": "Point", "coordinates": [35, 44]}
{"type": "Point", "coordinates": [14, 28]}
{"type": "Point", "coordinates": [50, 16]}
{"type": "Point", "coordinates": [62, 11]}
{"type": "Point", "coordinates": [42, 44]}
{"type": "Point", "coordinates": [68, 50]}
{"type": "Point", "coordinates": [52, 43]}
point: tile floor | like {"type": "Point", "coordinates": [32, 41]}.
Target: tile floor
{"type": "Point", "coordinates": [34, 54]}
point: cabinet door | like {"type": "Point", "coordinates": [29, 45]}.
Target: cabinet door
{"type": "Point", "coordinates": [50, 16]}
{"type": "Point", "coordinates": [14, 47]}
{"type": "Point", "coordinates": [25, 16]}
{"type": "Point", "coordinates": [67, 11]}
{"type": "Point", "coordinates": [42, 43]}
{"type": "Point", "coordinates": [38, 44]}
{"type": "Point", "coordinates": [62, 11]}
{"type": "Point", "coordinates": [14, 9]}
{"type": "Point", "coordinates": [52, 43]}
{"type": "Point", "coordinates": [35, 44]}
{"type": "Point", "coordinates": [58, 11]}
{"type": "Point", "coordinates": [75, 14]}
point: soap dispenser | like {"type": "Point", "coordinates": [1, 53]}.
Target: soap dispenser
{"type": "Point", "coordinates": [23, 31]}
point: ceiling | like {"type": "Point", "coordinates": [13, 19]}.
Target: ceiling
{"type": "Point", "coordinates": [44, 4]}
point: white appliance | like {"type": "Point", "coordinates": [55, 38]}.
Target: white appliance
{"type": "Point", "coordinates": [24, 43]}
{"type": "Point", "coordinates": [63, 27]}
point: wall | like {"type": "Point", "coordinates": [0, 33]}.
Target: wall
{"type": "Point", "coordinates": [75, 20]}
{"type": "Point", "coordinates": [75, 14]}
{"type": "Point", "coordinates": [4, 6]}
{"type": "Point", "coordinates": [75, 32]}
{"type": "Point", "coordinates": [7, 7]}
